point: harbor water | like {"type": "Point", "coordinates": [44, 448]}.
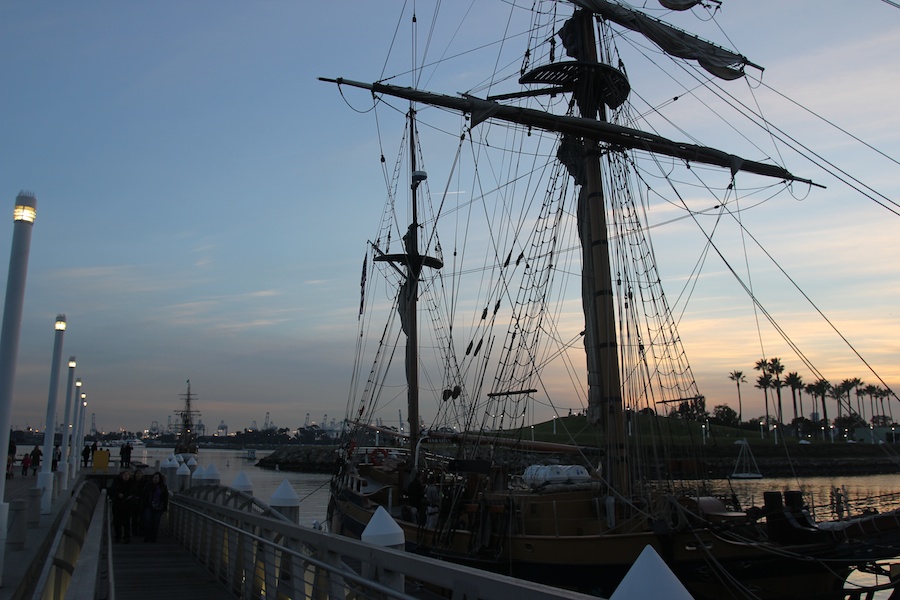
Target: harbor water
{"type": "Point", "coordinates": [311, 488]}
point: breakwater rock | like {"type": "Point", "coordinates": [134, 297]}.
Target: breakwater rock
{"type": "Point", "coordinates": [302, 459]}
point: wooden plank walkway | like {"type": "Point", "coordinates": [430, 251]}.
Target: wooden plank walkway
{"type": "Point", "coordinates": [161, 570]}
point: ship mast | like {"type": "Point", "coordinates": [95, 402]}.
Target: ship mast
{"type": "Point", "coordinates": [604, 384]}
{"type": "Point", "coordinates": [412, 262]}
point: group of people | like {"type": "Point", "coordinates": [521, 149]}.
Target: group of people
{"type": "Point", "coordinates": [138, 504]}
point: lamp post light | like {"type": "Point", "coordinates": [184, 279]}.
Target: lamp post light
{"type": "Point", "coordinates": [63, 465]}
{"type": "Point", "coordinates": [761, 436]}
{"type": "Point", "coordinates": [74, 465]}
{"type": "Point", "coordinates": [81, 421]}
{"type": "Point", "coordinates": [45, 478]}
{"type": "Point", "coordinates": [24, 214]}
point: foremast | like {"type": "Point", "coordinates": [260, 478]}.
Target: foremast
{"type": "Point", "coordinates": [411, 262]}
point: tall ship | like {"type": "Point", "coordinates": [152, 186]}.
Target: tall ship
{"type": "Point", "coordinates": [525, 281]}
{"type": "Point", "coordinates": [186, 430]}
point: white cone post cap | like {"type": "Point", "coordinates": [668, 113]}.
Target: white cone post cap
{"type": "Point", "coordinates": [285, 496]}
{"type": "Point", "coordinates": [242, 483]}
{"type": "Point", "coordinates": [169, 463]}
{"type": "Point", "coordinates": [212, 473]}
{"type": "Point", "coordinates": [650, 577]}
{"type": "Point", "coordinates": [183, 470]}
{"type": "Point", "coordinates": [179, 458]}
{"type": "Point", "coordinates": [198, 473]}
{"type": "Point", "coordinates": [383, 530]}
{"type": "Point", "coordinates": [192, 461]}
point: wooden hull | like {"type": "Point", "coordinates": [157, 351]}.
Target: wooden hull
{"type": "Point", "coordinates": [596, 562]}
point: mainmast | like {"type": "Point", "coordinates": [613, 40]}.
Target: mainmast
{"type": "Point", "coordinates": [604, 383]}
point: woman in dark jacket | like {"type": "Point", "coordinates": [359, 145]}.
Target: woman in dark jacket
{"type": "Point", "coordinates": [121, 495]}
{"type": "Point", "coordinates": [156, 502]}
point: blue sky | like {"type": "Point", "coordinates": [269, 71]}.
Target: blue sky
{"type": "Point", "coordinates": [203, 201]}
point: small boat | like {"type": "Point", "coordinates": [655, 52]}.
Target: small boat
{"type": "Point", "coordinates": [745, 466]}
{"type": "Point", "coordinates": [248, 454]}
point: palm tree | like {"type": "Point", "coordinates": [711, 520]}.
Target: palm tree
{"type": "Point", "coordinates": [738, 378]}
{"type": "Point", "coordinates": [870, 391]}
{"type": "Point", "coordinates": [764, 382]}
{"type": "Point", "coordinates": [795, 382]}
{"type": "Point", "coordinates": [820, 389]}
{"type": "Point", "coordinates": [775, 369]}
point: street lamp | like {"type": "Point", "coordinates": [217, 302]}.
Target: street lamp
{"type": "Point", "coordinates": [45, 478]}
{"type": "Point", "coordinates": [74, 465]}
{"type": "Point", "coordinates": [24, 214]}
{"type": "Point", "coordinates": [67, 425]}
{"type": "Point", "coordinates": [80, 430]}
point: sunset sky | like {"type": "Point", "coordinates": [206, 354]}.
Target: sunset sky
{"type": "Point", "coordinates": [204, 201]}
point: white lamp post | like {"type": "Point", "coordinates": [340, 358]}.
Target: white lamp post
{"type": "Point", "coordinates": [67, 426]}
{"type": "Point", "coordinates": [74, 465]}
{"type": "Point", "coordinates": [45, 478]}
{"type": "Point", "coordinates": [24, 214]}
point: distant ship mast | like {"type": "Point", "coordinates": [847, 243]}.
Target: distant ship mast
{"type": "Point", "coordinates": [186, 438]}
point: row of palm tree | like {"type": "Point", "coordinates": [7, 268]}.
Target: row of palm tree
{"type": "Point", "coordinates": [770, 378]}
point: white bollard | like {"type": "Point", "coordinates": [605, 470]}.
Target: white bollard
{"type": "Point", "coordinates": [211, 475]}
{"type": "Point", "coordinates": [242, 483]}
{"type": "Point", "coordinates": [286, 501]}
{"type": "Point", "coordinates": [383, 531]}
{"type": "Point", "coordinates": [183, 476]}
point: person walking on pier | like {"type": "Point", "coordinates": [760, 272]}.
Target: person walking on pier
{"type": "Point", "coordinates": [121, 494]}
{"type": "Point", "coordinates": [85, 456]}
{"type": "Point", "coordinates": [36, 455]}
{"type": "Point", "coordinates": [156, 502]}
{"type": "Point", "coordinates": [26, 462]}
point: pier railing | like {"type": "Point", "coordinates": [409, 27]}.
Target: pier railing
{"type": "Point", "coordinates": [256, 552]}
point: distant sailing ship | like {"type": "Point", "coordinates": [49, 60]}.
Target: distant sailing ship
{"type": "Point", "coordinates": [553, 217]}
{"type": "Point", "coordinates": [187, 437]}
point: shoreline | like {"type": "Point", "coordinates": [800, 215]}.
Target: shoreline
{"type": "Point", "coordinates": [801, 461]}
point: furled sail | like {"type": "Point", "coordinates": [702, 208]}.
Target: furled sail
{"type": "Point", "coordinates": [679, 4]}
{"type": "Point", "coordinates": [612, 134]}
{"type": "Point", "coordinates": [717, 60]}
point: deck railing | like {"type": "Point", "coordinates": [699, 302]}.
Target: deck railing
{"type": "Point", "coordinates": [257, 553]}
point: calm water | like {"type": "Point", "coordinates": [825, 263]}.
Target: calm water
{"type": "Point", "coordinates": [312, 489]}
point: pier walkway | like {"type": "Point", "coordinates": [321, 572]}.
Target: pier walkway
{"type": "Point", "coordinates": [216, 543]}
{"type": "Point", "coordinates": [163, 570]}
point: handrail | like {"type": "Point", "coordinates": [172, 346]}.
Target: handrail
{"type": "Point", "coordinates": [267, 556]}
{"type": "Point", "coordinates": [69, 540]}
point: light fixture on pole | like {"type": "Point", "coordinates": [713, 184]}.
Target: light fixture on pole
{"type": "Point", "coordinates": [68, 417]}
{"type": "Point", "coordinates": [24, 214]}
{"type": "Point", "coordinates": [45, 478]}
{"type": "Point", "coordinates": [81, 420]}
{"type": "Point", "coordinates": [74, 465]}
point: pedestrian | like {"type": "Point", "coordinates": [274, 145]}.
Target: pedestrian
{"type": "Point", "coordinates": [125, 455]}
{"type": "Point", "coordinates": [432, 504]}
{"type": "Point", "coordinates": [85, 456]}
{"type": "Point", "coordinates": [137, 516]}
{"type": "Point", "coordinates": [94, 449]}
{"type": "Point", "coordinates": [26, 462]}
{"type": "Point", "coordinates": [36, 454]}
{"type": "Point", "coordinates": [57, 454]}
{"type": "Point", "coordinates": [156, 502]}
{"type": "Point", "coordinates": [121, 494]}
